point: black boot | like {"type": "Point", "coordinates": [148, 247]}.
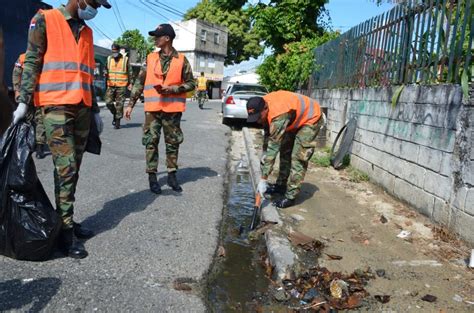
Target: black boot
{"type": "Point", "coordinates": [154, 186]}
{"type": "Point", "coordinates": [40, 151]}
{"type": "Point", "coordinates": [70, 246]}
{"type": "Point", "coordinates": [173, 182]}
{"type": "Point", "coordinates": [284, 203]}
{"type": "Point", "coordinates": [117, 123]}
{"type": "Point", "coordinates": [82, 232]}
{"type": "Point", "coordinates": [113, 121]}
{"type": "Point", "coordinates": [276, 189]}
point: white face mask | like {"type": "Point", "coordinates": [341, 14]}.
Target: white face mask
{"type": "Point", "coordinates": [86, 14]}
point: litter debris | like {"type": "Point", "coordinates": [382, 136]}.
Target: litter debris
{"type": "Point", "coordinates": [338, 288]}
{"type": "Point", "coordinates": [417, 263]}
{"type": "Point", "coordinates": [380, 273]}
{"type": "Point", "coordinates": [334, 257]}
{"type": "Point", "coordinates": [306, 242]}
{"type": "Point", "coordinates": [457, 298]}
{"type": "Point", "coordinates": [404, 234]}
{"type": "Point", "coordinates": [310, 294]}
{"type": "Point", "coordinates": [383, 219]}
{"type": "Point", "coordinates": [382, 298]}
{"type": "Point", "coordinates": [429, 298]}
{"type": "Point", "coordinates": [281, 296]}
{"type": "Point", "coordinates": [221, 252]}
{"type": "Point", "coordinates": [27, 280]}
{"type": "Point", "coordinates": [181, 286]}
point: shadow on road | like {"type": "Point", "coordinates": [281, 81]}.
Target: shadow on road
{"type": "Point", "coordinates": [307, 191]}
{"type": "Point", "coordinates": [190, 174]}
{"type": "Point", "coordinates": [15, 294]}
{"type": "Point", "coordinates": [116, 210]}
{"type": "Point", "coordinates": [131, 125]}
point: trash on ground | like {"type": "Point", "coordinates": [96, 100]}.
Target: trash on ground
{"type": "Point", "coordinates": [382, 298]}
{"type": "Point", "coordinates": [383, 219]}
{"type": "Point", "coordinates": [404, 234]}
{"type": "Point", "coordinates": [429, 298]}
{"type": "Point", "coordinates": [181, 286]}
{"type": "Point", "coordinates": [433, 263]}
{"type": "Point", "coordinates": [221, 252]}
{"type": "Point", "coordinates": [457, 298]}
{"type": "Point", "coordinates": [338, 288]}
{"type": "Point", "coordinates": [305, 242]}
{"type": "Point", "coordinates": [471, 262]}
{"type": "Point", "coordinates": [380, 273]}
{"type": "Point", "coordinates": [334, 257]}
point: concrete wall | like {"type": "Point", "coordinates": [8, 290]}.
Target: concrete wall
{"type": "Point", "coordinates": [421, 151]}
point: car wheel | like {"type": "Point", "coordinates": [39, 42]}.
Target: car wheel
{"type": "Point", "coordinates": [225, 121]}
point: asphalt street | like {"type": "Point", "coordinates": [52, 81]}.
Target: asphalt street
{"type": "Point", "coordinates": [143, 242]}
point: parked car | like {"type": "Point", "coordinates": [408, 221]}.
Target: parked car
{"type": "Point", "coordinates": [234, 101]}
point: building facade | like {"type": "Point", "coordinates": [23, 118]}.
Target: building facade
{"type": "Point", "coordinates": [205, 46]}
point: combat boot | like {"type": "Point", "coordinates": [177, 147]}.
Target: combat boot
{"type": "Point", "coordinates": [40, 154]}
{"type": "Point", "coordinates": [173, 182]}
{"type": "Point", "coordinates": [276, 189]}
{"type": "Point", "coordinates": [117, 123]}
{"type": "Point", "coordinates": [284, 203]}
{"type": "Point", "coordinates": [70, 246]}
{"type": "Point", "coordinates": [154, 185]}
{"type": "Point", "coordinates": [82, 232]}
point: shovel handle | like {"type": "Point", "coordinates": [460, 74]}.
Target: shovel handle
{"type": "Point", "coordinates": [256, 211]}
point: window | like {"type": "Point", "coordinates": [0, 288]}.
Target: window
{"type": "Point", "coordinates": [202, 61]}
{"type": "Point", "coordinates": [211, 62]}
{"type": "Point", "coordinates": [216, 38]}
{"type": "Point", "coordinates": [203, 34]}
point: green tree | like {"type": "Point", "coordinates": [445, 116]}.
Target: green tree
{"type": "Point", "coordinates": [243, 42]}
{"type": "Point", "coordinates": [291, 69]}
{"type": "Point", "coordinates": [134, 40]}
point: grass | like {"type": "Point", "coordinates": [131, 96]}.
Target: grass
{"type": "Point", "coordinates": [356, 175]}
{"type": "Point", "coordinates": [322, 157]}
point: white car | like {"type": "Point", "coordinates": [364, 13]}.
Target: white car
{"type": "Point", "coordinates": [234, 102]}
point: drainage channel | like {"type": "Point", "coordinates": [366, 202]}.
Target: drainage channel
{"type": "Point", "coordinates": [237, 281]}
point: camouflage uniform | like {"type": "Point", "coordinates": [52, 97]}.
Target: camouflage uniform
{"type": "Point", "coordinates": [67, 127]}
{"type": "Point", "coordinates": [170, 122]}
{"type": "Point", "coordinates": [295, 148]}
{"type": "Point", "coordinates": [40, 134]}
{"type": "Point", "coordinates": [117, 95]}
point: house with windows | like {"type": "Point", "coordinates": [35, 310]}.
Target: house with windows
{"type": "Point", "coordinates": [205, 46]}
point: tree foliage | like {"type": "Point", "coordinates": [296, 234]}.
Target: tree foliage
{"type": "Point", "coordinates": [134, 40]}
{"type": "Point", "coordinates": [281, 22]}
{"type": "Point", "coordinates": [243, 42]}
{"type": "Point", "coordinates": [291, 69]}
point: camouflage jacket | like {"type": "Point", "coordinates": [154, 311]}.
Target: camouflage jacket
{"type": "Point", "coordinates": [272, 141]}
{"type": "Point", "coordinates": [37, 44]}
{"type": "Point", "coordinates": [165, 60]}
{"type": "Point", "coordinates": [16, 75]}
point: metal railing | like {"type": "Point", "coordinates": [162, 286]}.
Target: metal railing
{"type": "Point", "coordinates": [418, 41]}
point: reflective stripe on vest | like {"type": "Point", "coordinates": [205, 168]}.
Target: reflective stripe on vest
{"type": "Point", "coordinates": [300, 118]}
{"type": "Point", "coordinates": [117, 72]}
{"type": "Point", "coordinates": [155, 102]}
{"type": "Point", "coordinates": [68, 64]}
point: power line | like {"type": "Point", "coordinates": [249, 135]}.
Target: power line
{"type": "Point", "coordinates": [120, 15]}
{"type": "Point", "coordinates": [96, 28]}
{"type": "Point", "coordinates": [166, 8]}
{"type": "Point", "coordinates": [116, 18]}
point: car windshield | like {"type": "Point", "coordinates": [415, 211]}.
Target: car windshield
{"type": "Point", "coordinates": [251, 88]}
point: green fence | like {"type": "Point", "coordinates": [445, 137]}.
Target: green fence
{"type": "Point", "coordinates": [419, 41]}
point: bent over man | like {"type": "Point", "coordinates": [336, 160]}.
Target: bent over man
{"type": "Point", "coordinates": [165, 81]}
{"type": "Point", "coordinates": [292, 122]}
{"type": "Point", "coordinates": [58, 73]}
{"type": "Point", "coordinates": [40, 135]}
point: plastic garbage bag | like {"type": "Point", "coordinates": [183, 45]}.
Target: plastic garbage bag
{"type": "Point", "coordinates": [94, 144]}
{"type": "Point", "coordinates": [29, 224]}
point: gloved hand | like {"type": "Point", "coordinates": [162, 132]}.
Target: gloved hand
{"type": "Point", "coordinates": [98, 122]}
{"type": "Point", "coordinates": [262, 186]}
{"type": "Point", "coordinates": [20, 112]}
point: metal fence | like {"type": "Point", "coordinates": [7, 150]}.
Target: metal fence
{"type": "Point", "coordinates": [418, 41]}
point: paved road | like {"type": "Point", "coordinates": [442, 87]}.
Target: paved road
{"type": "Point", "coordinates": [143, 242]}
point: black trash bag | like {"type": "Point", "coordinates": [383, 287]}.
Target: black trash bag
{"type": "Point", "coordinates": [29, 225]}
{"type": "Point", "coordinates": [94, 144]}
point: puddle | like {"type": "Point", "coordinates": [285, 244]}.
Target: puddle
{"type": "Point", "coordinates": [238, 281]}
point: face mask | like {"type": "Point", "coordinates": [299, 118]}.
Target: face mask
{"type": "Point", "coordinates": [115, 55]}
{"type": "Point", "coordinates": [86, 14]}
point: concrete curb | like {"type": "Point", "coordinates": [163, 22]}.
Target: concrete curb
{"type": "Point", "coordinates": [279, 249]}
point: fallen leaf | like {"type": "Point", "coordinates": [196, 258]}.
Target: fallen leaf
{"type": "Point", "coordinates": [429, 298]}
{"type": "Point", "coordinates": [382, 298]}
{"type": "Point", "coordinates": [181, 286]}
{"type": "Point", "coordinates": [353, 302]}
{"type": "Point", "coordinates": [383, 219]}
{"type": "Point", "coordinates": [299, 239]}
{"type": "Point", "coordinates": [221, 252]}
{"type": "Point", "coordinates": [334, 257]}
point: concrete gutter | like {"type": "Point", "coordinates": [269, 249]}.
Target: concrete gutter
{"type": "Point", "coordinates": [279, 248]}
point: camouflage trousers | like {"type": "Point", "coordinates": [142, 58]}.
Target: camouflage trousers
{"type": "Point", "coordinates": [67, 129]}
{"type": "Point", "coordinates": [296, 150]}
{"type": "Point", "coordinates": [39, 127]}
{"type": "Point", "coordinates": [170, 123]}
{"type": "Point", "coordinates": [115, 99]}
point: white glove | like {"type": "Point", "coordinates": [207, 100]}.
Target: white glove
{"type": "Point", "coordinates": [262, 186]}
{"type": "Point", "coordinates": [98, 123]}
{"type": "Point", "coordinates": [20, 112]}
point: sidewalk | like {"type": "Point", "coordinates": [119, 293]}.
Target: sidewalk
{"type": "Point", "coordinates": [360, 223]}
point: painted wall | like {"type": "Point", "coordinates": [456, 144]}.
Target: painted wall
{"type": "Point", "coordinates": [421, 151]}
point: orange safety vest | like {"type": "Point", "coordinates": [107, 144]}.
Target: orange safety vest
{"type": "Point", "coordinates": [68, 66]}
{"type": "Point", "coordinates": [308, 111]}
{"type": "Point", "coordinates": [155, 102]}
{"type": "Point", "coordinates": [202, 83]}
{"type": "Point", "coordinates": [117, 72]}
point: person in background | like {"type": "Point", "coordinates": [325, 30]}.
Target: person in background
{"type": "Point", "coordinates": [201, 90]}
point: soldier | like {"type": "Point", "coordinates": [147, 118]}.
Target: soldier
{"type": "Point", "coordinates": [58, 73]}
{"type": "Point", "coordinates": [201, 89]}
{"type": "Point", "coordinates": [292, 122]}
{"type": "Point", "coordinates": [118, 78]}
{"type": "Point", "coordinates": [40, 134]}
{"type": "Point", "coordinates": [165, 81]}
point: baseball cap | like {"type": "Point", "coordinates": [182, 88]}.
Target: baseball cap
{"type": "Point", "coordinates": [255, 106]}
{"type": "Point", "coordinates": [104, 3]}
{"type": "Point", "coordinates": [163, 30]}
